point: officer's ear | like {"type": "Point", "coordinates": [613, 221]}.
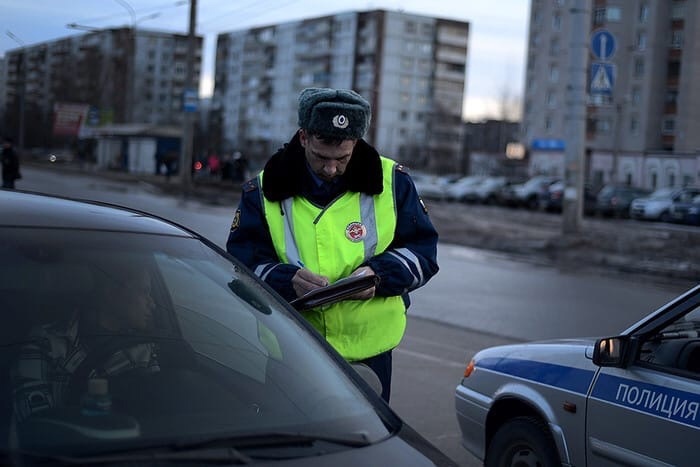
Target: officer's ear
{"type": "Point", "coordinates": [303, 138]}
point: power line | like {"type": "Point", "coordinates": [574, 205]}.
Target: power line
{"type": "Point", "coordinates": [248, 17]}
{"type": "Point", "coordinates": [139, 11]}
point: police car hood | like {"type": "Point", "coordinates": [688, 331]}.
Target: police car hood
{"type": "Point", "coordinates": [548, 361]}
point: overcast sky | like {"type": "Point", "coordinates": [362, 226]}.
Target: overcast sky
{"type": "Point", "coordinates": [495, 60]}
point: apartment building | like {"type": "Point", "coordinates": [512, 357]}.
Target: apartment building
{"type": "Point", "coordinates": [121, 75]}
{"type": "Point", "coordinates": [411, 68]}
{"type": "Point", "coordinates": [643, 107]}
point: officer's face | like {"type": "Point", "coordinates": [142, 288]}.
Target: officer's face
{"type": "Point", "coordinates": [327, 160]}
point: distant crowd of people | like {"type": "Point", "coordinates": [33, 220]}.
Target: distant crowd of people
{"type": "Point", "coordinates": [232, 167]}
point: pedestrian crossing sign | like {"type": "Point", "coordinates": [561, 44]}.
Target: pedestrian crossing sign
{"type": "Point", "coordinates": [602, 78]}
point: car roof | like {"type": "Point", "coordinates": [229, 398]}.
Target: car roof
{"type": "Point", "coordinates": [25, 209]}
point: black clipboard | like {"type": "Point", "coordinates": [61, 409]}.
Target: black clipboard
{"type": "Point", "coordinates": [335, 292]}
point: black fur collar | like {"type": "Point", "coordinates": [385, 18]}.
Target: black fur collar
{"type": "Point", "coordinates": [285, 172]}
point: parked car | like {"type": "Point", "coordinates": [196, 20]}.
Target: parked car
{"type": "Point", "coordinates": [127, 339]}
{"type": "Point", "coordinates": [552, 200]}
{"type": "Point", "coordinates": [657, 206]}
{"type": "Point", "coordinates": [505, 196]}
{"type": "Point", "coordinates": [615, 200]}
{"type": "Point", "coordinates": [458, 190]}
{"type": "Point", "coordinates": [432, 186]}
{"type": "Point", "coordinates": [687, 212]}
{"type": "Point", "coordinates": [529, 193]}
{"type": "Point", "coordinates": [487, 190]}
{"type": "Point", "coordinates": [589, 402]}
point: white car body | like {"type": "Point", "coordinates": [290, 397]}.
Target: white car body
{"type": "Point", "coordinates": [657, 206]}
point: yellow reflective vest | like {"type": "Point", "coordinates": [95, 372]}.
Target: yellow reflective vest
{"type": "Point", "coordinates": [333, 242]}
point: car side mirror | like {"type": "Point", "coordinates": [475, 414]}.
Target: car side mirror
{"type": "Point", "coordinates": [611, 351]}
{"type": "Point", "coordinates": [367, 374]}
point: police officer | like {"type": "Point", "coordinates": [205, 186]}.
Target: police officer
{"type": "Point", "coordinates": [327, 206]}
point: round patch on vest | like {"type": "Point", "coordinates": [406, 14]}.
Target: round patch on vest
{"type": "Point", "coordinates": [355, 231]}
{"type": "Point", "coordinates": [341, 121]}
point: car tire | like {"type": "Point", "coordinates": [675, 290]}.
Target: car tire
{"type": "Point", "coordinates": [665, 216]}
{"type": "Point", "coordinates": [522, 441]}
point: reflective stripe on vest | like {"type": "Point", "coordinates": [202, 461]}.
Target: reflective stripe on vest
{"type": "Point", "coordinates": [334, 241]}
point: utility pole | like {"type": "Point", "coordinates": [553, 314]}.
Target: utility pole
{"type": "Point", "coordinates": [188, 112]}
{"type": "Point", "coordinates": [575, 118]}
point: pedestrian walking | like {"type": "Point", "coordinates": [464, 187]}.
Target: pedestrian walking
{"type": "Point", "coordinates": [10, 164]}
{"type": "Point", "coordinates": [327, 206]}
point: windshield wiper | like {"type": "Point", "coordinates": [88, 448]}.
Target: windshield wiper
{"type": "Point", "coordinates": [225, 449]}
{"type": "Point", "coordinates": [274, 439]}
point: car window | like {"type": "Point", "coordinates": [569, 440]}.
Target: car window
{"type": "Point", "coordinates": [675, 346]}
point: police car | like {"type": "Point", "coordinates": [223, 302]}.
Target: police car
{"type": "Point", "coordinates": [631, 399]}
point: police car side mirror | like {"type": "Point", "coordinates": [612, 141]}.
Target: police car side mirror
{"type": "Point", "coordinates": [611, 351]}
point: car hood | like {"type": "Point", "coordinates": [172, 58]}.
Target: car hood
{"type": "Point", "coordinates": [552, 361]}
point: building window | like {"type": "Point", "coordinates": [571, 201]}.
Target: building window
{"type": "Point", "coordinates": [410, 27]}
{"type": "Point", "coordinates": [678, 10]}
{"type": "Point", "coordinates": [599, 16]}
{"type": "Point", "coordinates": [641, 40]}
{"type": "Point", "coordinates": [551, 100]}
{"type": "Point", "coordinates": [556, 21]}
{"type": "Point", "coordinates": [554, 47]}
{"type": "Point", "coordinates": [634, 126]}
{"type": "Point", "coordinates": [613, 14]}
{"type": "Point", "coordinates": [677, 39]}
{"type": "Point", "coordinates": [635, 96]}
{"type": "Point", "coordinates": [548, 123]}
{"type": "Point", "coordinates": [603, 125]}
{"type": "Point", "coordinates": [671, 97]}
{"type": "Point", "coordinates": [638, 67]}
{"type": "Point", "coordinates": [553, 73]}
{"type": "Point", "coordinates": [671, 179]}
{"type": "Point", "coordinates": [643, 13]}
{"type": "Point", "coordinates": [668, 126]}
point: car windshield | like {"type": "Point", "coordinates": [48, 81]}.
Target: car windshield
{"type": "Point", "coordinates": [662, 193]}
{"type": "Point", "coordinates": [111, 340]}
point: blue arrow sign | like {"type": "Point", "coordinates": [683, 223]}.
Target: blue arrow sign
{"type": "Point", "coordinates": [603, 45]}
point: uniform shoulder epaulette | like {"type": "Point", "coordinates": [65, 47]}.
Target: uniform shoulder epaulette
{"type": "Point", "coordinates": [401, 168]}
{"type": "Point", "coordinates": [250, 185]}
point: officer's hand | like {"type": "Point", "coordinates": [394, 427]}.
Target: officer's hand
{"type": "Point", "coordinates": [365, 294]}
{"type": "Point", "coordinates": [305, 281]}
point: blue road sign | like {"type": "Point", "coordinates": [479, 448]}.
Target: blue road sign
{"type": "Point", "coordinates": [190, 100]}
{"type": "Point", "coordinates": [602, 44]}
{"type": "Point", "coordinates": [548, 144]}
{"type": "Point", "coordinates": [602, 78]}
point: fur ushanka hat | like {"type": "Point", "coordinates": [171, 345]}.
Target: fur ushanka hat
{"type": "Point", "coordinates": [339, 113]}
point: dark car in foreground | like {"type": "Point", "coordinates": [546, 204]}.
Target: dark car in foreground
{"type": "Point", "coordinates": [127, 339]}
{"type": "Point", "coordinates": [615, 200]}
{"type": "Point", "coordinates": [630, 399]}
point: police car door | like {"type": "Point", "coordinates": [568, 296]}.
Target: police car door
{"type": "Point", "coordinates": [648, 412]}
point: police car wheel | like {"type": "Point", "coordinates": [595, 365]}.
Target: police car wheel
{"type": "Point", "coordinates": [522, 441]}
